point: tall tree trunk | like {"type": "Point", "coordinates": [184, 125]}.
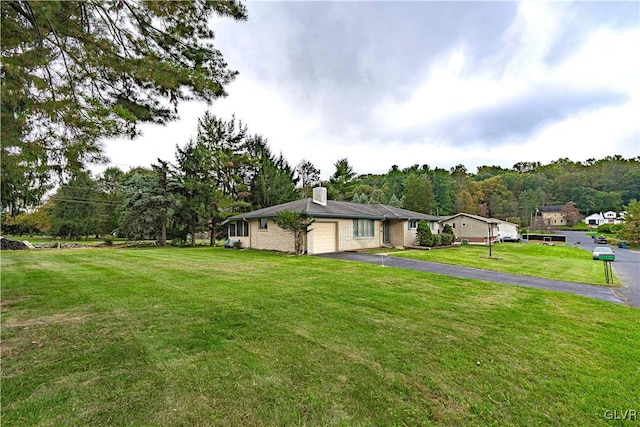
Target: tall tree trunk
{"type": "Point", "coordinates": [193, 231]}
{"type": "Point", "coordinates": [163, 229]}
{"type": "Point", "coordinates": [212, 232]}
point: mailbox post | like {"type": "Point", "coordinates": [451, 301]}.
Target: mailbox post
{"type": "Point", "coordinates": [608, 272]}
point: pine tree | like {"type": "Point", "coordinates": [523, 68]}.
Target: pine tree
{"type": "Point", "coordinates": [75, 72]}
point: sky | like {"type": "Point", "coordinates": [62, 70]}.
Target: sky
{"type": "Point", "coordinates": [437, 83]}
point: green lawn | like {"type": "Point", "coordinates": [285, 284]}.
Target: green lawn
{"type": "Point", "coordinates": [558, 262]}
{"type": "Point", "coordinates": [207, 336]}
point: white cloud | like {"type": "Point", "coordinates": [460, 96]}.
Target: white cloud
{"type": "Point", "coordinates": [529, 90]}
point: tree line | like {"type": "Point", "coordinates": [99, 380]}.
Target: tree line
{"type": "Point", "coordinates": [227, 170]}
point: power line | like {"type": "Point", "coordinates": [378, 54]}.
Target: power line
{"type": "Point", "coordinates": [85, 201]}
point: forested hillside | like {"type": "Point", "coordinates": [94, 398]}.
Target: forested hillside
{"type": "Point", "coordinates": [595, 185]}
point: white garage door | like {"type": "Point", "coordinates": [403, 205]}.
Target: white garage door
{"type": "Point", "coordinates": [324, 237]}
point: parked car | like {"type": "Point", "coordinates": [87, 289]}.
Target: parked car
{"type": "Point", "coordinates": [603, 250]}
{"type": "Point", "coordinates": [510, 239]}
{"type": "Point", "coordinates": [600, 240]}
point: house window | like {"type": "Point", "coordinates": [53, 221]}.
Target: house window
{"type": "Point", "coordinates": [454, 225]}
{"type": "Point", "coordinates": [263, 223]}
{"type": "Point", "coordinates": [362, 228]}
{"type": "Point", "coordinates": [232, 229]}
{"type": "Point", "coordinates": [243, 229]}
{"type": "Point", "coordinates": [413, 223]}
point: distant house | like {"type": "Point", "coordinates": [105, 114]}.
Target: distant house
{"type": "Point", "coordinates": [478, 229]}
{"type": "Point", "coordinates": [613, 217]}
{"type": "Point", "coordinates": [609, 217]}
{"type": "Point", "coordinates": [338, 226]}
{"type": "Point", "coordinates": [595, 220]}
{"type": "Point", "coordinates": [552, 215]}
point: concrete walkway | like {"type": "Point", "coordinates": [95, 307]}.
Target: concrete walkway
{"type": "Point", "coordinates": [598, 292]}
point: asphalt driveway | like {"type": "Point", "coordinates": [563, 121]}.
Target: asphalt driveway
{"type": "Point", "coordinates": [599, 292]}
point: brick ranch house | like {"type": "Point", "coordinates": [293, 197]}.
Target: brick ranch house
{"type": "Point", "coordinates": [338, 226]}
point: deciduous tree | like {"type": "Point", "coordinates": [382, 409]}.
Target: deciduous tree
{"type": "Point", "coordinates": [631, 228]}
{"type": "Point", "coordinates": [570, 213]}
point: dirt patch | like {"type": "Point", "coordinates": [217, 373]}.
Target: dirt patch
{"type": "Point", "coordinates": [7, 303]}
{"type": "Point", "coordinates": [47, 320]}
{"type": "Point", "coordinates": [7, 349]}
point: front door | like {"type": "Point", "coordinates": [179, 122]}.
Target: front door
{"type": "Point", "coordinates": [386, 232]}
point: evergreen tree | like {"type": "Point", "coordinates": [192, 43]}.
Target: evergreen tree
{"type": "Point", "coordinates": [73, 213]}
{"type": "Point", "coordinates": [418, 194]}
{"type": "Point", "coordinates": [272, 181]}
{"type": "Point", "coordinates": [74, 72]}
{"type": "Point", "coordinates": [110, 189]}
{"type": "Point", "coordinates": [342, 182]}
{"type": "Point", "coordinates": [147, 203]}
{"type": "Point", "coordinates": [308, 176]}
{"type": "Point", "coordinates": [424, 234]}
{"type": "Point", "coordinates": [394, 201]}
{"type": "Point", "coordinates": [443, 192]}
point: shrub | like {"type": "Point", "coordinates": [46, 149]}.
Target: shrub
{"type": "Point", "coordinates": [447, 229]}
{"type": "Point", "coordinates": [108, 240]}
{"type": "Point", "coordinates": [447, 238]}
{"type": "Point", "coordinates": [425, 236]}
{"type": "Point", "coordinates": [177, 241]}
{"type": "Point", "coordinates": [604, 228]}
{"type": "Point", "coordinates": [437, 241]}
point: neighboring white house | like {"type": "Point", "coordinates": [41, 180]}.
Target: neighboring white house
{"type": "Point", "coordinates": [338, 226]}
{"type": "Point", "coordinates": [594, 220]}
{"type": "Point", "coordinates": [609, 217]}
{"type": "Point", "coordinates": [507, 229]}
{"type": "Point", "coordinates": [613, 217]}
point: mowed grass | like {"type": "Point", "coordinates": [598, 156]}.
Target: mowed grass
{"type": "Point", "coordinates": [558, 262]}
{"type": "Point", "coordinates": [205, 336]}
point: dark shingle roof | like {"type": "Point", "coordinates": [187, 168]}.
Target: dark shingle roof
{"type": "Point", "coordinates": [479, 218]}
{"type": "Point", "coordinates": [336, 209]}
{"type": "Point", "coordinates": [552, 208]}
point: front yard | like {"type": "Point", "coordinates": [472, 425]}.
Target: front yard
{"type": "Point", "coordinates": [205, 336]}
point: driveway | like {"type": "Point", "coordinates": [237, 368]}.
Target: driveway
{"type": "Point", "coordinates": [599, 292]}
{"type": "Point", "coordinates": [626, 267]}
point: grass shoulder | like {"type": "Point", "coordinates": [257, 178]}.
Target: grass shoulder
{"type": "Point", "coordinates": [558, 262]}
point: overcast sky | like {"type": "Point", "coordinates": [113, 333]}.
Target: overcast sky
{"type": "Point", "coordinates": [437, 83]}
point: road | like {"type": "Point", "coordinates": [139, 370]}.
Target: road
{"type": "Point", "coordinates": [591, 291]}
{"type": "Point", "coordinates": [626, 267]}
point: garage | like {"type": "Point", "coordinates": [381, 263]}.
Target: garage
{"type": "Point", "coordinates": [323, 238]}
